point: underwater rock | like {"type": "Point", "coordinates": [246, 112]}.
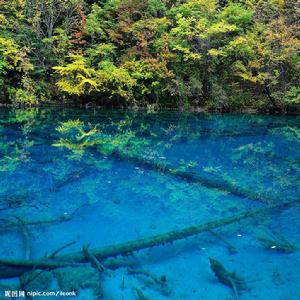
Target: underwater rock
{"type": "Point", "coordinates": [75, 279]}
{"type": "Point", "coordinates": [17, 200]}
{"type": "Point", "coordinates": [116, 201]}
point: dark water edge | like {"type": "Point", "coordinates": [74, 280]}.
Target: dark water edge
{"type": "Point", "coordinates": [88, 105]}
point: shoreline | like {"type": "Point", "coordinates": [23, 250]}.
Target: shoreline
{"type": "Point", "coordinates": [247, 111]}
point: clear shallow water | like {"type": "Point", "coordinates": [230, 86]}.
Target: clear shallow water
{"type": "Point", "coordinates": [110, 177]}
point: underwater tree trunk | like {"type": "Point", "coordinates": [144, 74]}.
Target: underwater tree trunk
{"type": "Point", "coordinates": [16, 267]}
{"type": "Point", "coordinates": [218, 184]}
{"type": "Point", "coordinates": [222, 185]}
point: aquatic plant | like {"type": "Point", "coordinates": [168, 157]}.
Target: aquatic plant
{"type": "Point", "coordinates": [288, 132]}
{"type": "Point", "coordinates": [186, 165]}
{"type": "Point", "coordinates": [134, 143]}
{"type": "Point", "coordinates": [59, 169]}
{"type": "Point", "coordinates": [14, 155]}
{"type": "Point", "coordinates": [260, 167]}
{"type": "Point", "coordinates": [16, 200]}
{"type": "Point", "coordinates": [248, 150]}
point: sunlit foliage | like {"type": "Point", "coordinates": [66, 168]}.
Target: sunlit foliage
{"type": "Point", "coordinates": [155, 53]}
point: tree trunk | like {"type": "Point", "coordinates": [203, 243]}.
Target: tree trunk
{"type": "Point", "coordinates": [13, 268]}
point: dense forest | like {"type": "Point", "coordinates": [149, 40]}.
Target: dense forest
{"type": "Point", "coordinates": [205, 54]}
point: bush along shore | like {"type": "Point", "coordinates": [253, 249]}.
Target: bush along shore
{"type": "Point", "coordinates": [200, 55]}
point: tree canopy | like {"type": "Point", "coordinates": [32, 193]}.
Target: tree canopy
{"type": "Point", "coordinates": [221, 55]}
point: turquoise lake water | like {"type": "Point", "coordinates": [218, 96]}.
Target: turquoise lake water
{"type": "Point", "coordinates": [72, 178]}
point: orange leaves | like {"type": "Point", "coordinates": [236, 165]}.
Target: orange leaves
{"type": "Point", "coordinates": [80, 32]}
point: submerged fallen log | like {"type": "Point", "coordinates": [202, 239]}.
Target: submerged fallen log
{"type": "Point", "coordinates": [222, 185]}
{"type": "Point", "coordinates": [219, 184]}
{"type": "Point", "coordinates": [231, 248]}
{"type": "Point", "coordinates": [7, 224]}
{"type": "Point", "coordinates": [60, 219]}
{"type": "Point", "coordinates": [277, 242]}
{"type": "Point", "coordinates": [15, 267]}
{"type": "Point", "coordinates": [72, 177]}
